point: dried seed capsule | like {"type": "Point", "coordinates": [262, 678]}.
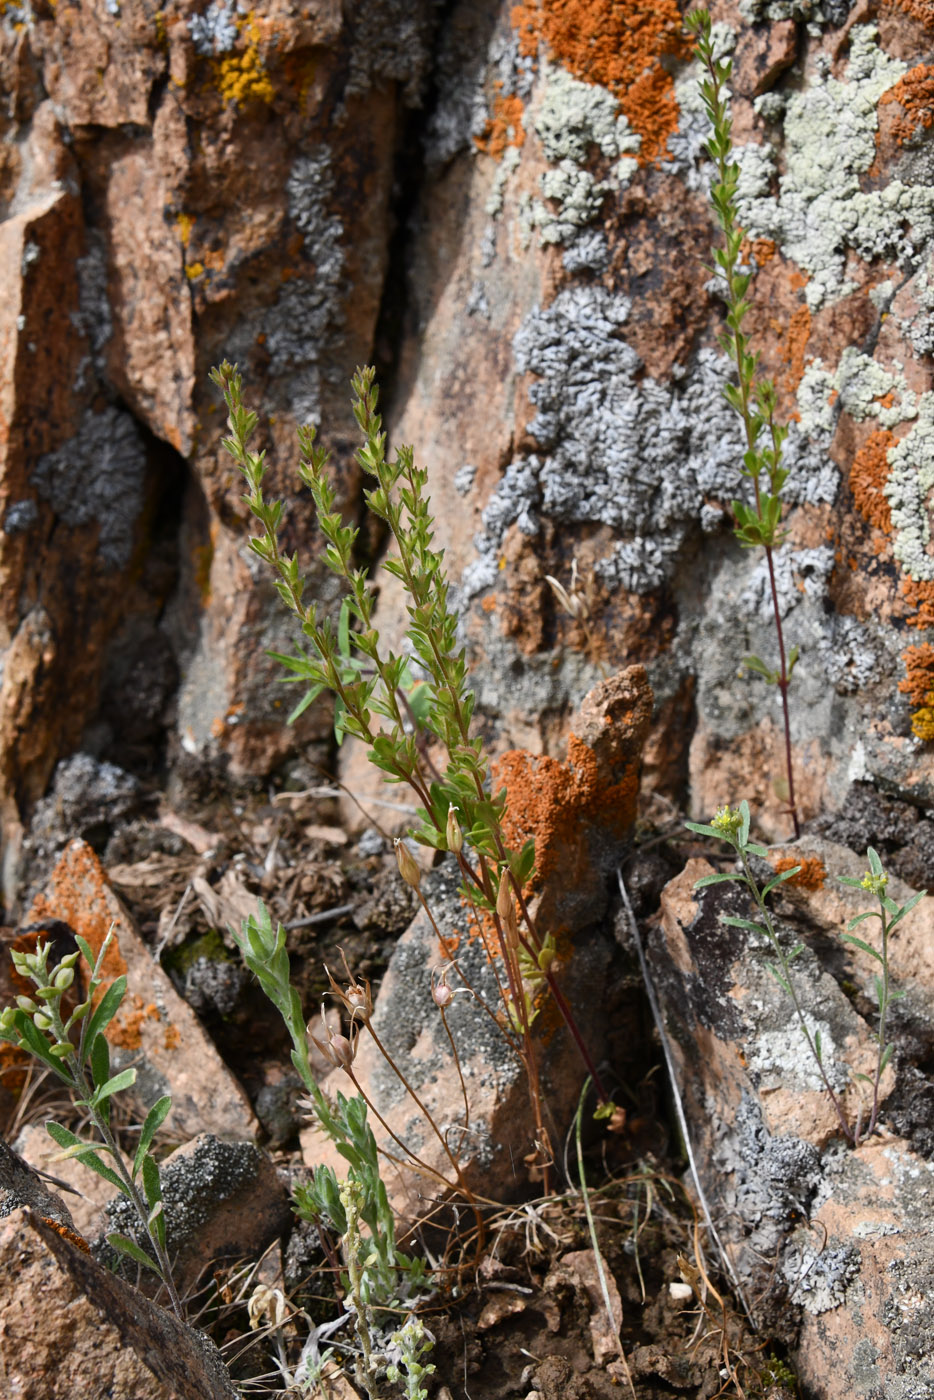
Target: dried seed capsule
{"type": "Point", "coordinates": [408, 866]}
{"type": "Point", "coordinates": [453, 834]}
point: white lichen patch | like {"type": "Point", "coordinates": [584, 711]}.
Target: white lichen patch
{"type": "Point", "coordinates": [799, 573]}
{"type": "Point", "coordinates": [215, 32]}
{"type": "Point", "coordinates": [573, 120]}
{"type": "Point", "coordinates": [859, 386]}
{"type": "Point", "coordinates": [907, 491]}
{"type": "Point", "coordinates": [572, 117]}
{"type": "Point", "coordinates": [782, 1057]}
{"type": "Point", "coordinates": [575, 199]}
{"type": "Point", "coordinates": [821, 210]}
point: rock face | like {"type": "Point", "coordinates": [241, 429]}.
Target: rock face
{"type": "Point", "coordinates": [831, 1245]}
{"type": "Point", "coordinates": [178, 185]}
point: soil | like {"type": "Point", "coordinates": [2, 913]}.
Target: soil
{"type": "Point", "coordinates": [527, 1318]}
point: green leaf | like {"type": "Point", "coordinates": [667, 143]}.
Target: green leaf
{"type": "Point", "coordinates": [886, 1056]}
{"type": "Point", "coordinates": [307, 699]}
{"type": "Point", "coordinates": [123, 1080]}
{"type": "Point", "coordinates": [875, 864]}
{"type": "Point", "coordinates": [88, 1156]}
{"type": "Point", "coordinates": [858, 943]}
{"type": "Point", "coordinates": [720, 879]}
{"type": "Point", "coordinates": [912, 903]}
{"type": "Point", "coordinates": [861, 918]}
{"type": "Point", "coordinates": [124, 1245]}
{"type": "Point", "coordinates": [755, 850]}
{"type": "Point", "coordinates": [744, 829]}
{"type": "Point", "coordinates": [817, 1046]}
{"type": "Point", "coordinates": [100, 1060]}
{"type": "Point", "coordinates": [780, 879]}
{"type": "Point", "coordinates": [154, 1120]}
{"type": "Point", "coordinates": [702, 830]}
{"type": "Point", "coordinates": [732, 922]}
{"type": "Point", "coordinates": [106, 1010]}
{"type": "Point", "coordinates": [152, 1186]}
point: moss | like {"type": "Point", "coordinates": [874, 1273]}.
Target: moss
{"type": "Point", "coordinates": [209, 946]}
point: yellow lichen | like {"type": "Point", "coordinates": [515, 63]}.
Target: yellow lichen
{"type": "Point", "coordinates": [241, 78]}
{"type": "Point", "coordinates": [184, 223]}
{"type": "Point", "coordinates": [922, 721]}
{"type": "Point", "coordinates": [193, 270]}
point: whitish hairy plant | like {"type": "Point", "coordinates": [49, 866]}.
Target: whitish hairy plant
{"type": "Point", "coordinates": [77, 1052]}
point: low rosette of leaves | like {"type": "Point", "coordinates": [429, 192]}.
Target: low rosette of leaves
{"type": "Point", "coordinates": [77, 1052]}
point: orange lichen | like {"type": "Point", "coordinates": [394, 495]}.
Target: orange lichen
{"type": "Point", "coordinates": [799, 329]}
{"type": "Point", "coordinates": [621, 47]}
{"type": "Point", "coordinates": [918, 685]}
{"type": "Point", "coordinates": [553, 801]}
{"type": "Point", "coordinates": [920, 594]}
{"type": "Point", "coordinates": [127, 1031]}
{"type": "Point", "coordinates": [504, 128]}
{"type": "Point", "coordinates": [762, 250]}
{"type": "Point", "coordinates": [868, 475]}
{"type": "Point", "coordinates": [915, 94]}
{"type": "Point", "coordinates": [919, 673]}
{"type": "Point", "coordinates": [921, 10]}
{"type": "Point", "coordinates": [811, 876]}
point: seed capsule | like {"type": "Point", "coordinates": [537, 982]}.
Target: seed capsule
{"type": "Point", "coordinates": [408, 866]}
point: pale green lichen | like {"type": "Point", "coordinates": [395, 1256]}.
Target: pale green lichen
{"type": "Point", "coordinates": [506, 167]}
{"type": "Point", "coordinates": [570, 119]}
{"type": "Point", "coordinates": [573, 116]}
{"type": "Point", "coordinates": [860, 386]}
{"type": "Point", "coordinates": [821, 211]}
{"type": "Point", "coordinates": [912, 477]}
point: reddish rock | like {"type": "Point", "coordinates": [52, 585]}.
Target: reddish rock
{"type": "Point", "coordinates": [154, 1028]}
{"type": "Point", "coordinates": [830, 1244]}
{"type": "Point", "coordinates": [53, 1345]}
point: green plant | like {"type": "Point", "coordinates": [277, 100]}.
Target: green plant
{"type": "Point", "coordinates": [732, 827]}
{"type": "Point", "coordinates": [411, 1342]}
{"type": "Point", "coordinates": [378, 1274]}
{"type": "Point", "coordinates": [457, 811]}
{"type": "Point", "coordinates": [37, 1025]}
{"type": "Point", "coordinates": [889, 914]}
{"type": "Point", "coordinates": [753, 397]}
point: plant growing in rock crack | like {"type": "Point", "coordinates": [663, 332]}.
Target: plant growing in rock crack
{"type": "Point", "coordinates": [76, 1051]}
{"type": "Point", "coordinates": [379, 1275]}
{"type": "Point", "coordinates": [753, 397]}
{"type": "Point", "coordinates": [457, 811]}
{"type": "Point", "coordinates": [732, 827]}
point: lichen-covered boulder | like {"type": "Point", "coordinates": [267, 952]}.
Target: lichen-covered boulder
{"type": "Point", "coordinates": [831, 1245]}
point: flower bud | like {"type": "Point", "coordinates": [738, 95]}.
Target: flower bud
{"type": "Point", "coordinates": [453, 834]}
{"type": "Point", "coordinates": [408, 866]}
{"type": "Point", "coordinates": [27, 1004]}
{"type": "Point", "coordinates": [64, 977]}
{"type": "Point", "coordinates": [41, 1021]}
{"type": "Point", "coordinates": [62, 1050]}
{"type": "Point", "coordinates": [70, 960]}
{"type": "Point", "coordinates": [442, 994]}
{"type": "Point", "coordinates": [7, 1018]}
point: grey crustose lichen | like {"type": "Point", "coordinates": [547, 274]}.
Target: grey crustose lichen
{"type": "Point", "coordinates": [98, 475]}
{"type": "Point", "coordinates": [307, 310]}
{"type": "Point", "coordinates": [618, 448]}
